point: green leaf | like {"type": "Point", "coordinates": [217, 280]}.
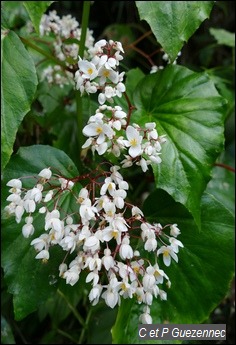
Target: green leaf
{"type": "Point", "coordinates": [189, 111]}
{"type": "Point", "coordinates": [36, 9]}
{"type": "Point", "coordinates": [29, 280]}
{"type": "Point", "coordinates": [122, 33]}
{"type": "Point", "coordinates": [202, 277]}
{"type": "Point", "coordinates": [222, 185]}
{"type": "Point", "coordinates": [101, 321]}
{"type": "Point", "coordinates": [174, 22]}
{"type": "Point", "coordinates": [59, 305]}
{"type": "Point", "coordinates": [133, 76]}
{"type": "Point", "coordinates": [223, 36]}
{"type": "Point", "coordinates": [13, 14]}
{"type": "Point", "coordinates": [7, 336]}
{"type": "Point", "coordinates": [223, 78]}
{"type": "Point", "coordinates": [18, 85]}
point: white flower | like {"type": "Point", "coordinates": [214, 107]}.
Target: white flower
{"type": "Point", "coordinates": [28, 228]}
{"type": "Point", "coordinates": [127, 162]}
{"type": "Point", "coordinates": [14, 198]}
{"type": "Point", "coordinates": [134, 141]}
{"type": "Point", "coordinates": [146, 318]}
{"type": "Point", "coordinates": [48, 196]}
{"type": "Point", "coordinates": [83, 195]}
{"type": "Point", "coordinates": [93, 262]}
{"type": "Point", "coordinates": [41, 242]}
{"type": "Point", "coordinates": [105, 72]}
{"type": "Point", "coordinates": [174, 230]}
{"type": "Point", "coordinates": [52, 221]}
{"type": "Point", "coordinates": [163, 295]}
{"type": "Point", "coordinates": [72, 275]}
{"type": "Point", "coordinates": [65, 184]}
{"type": "Point", "coordinates": [107, 260]}
{"type": "Point", "coordinates": [108, 186]}
{"type": "Point", "coordinates": [15, 183]}
{"type": "Point", "coordinates": [93, 276]}
{"type": "Point", "coordinates": [127, 289]}
{"type": "Point", "coordinates": [168, 253]}
{"type": "Point", "coordinates": [87, 211]}
{"type": "Point", "coordinates": [175, 244]}
{"type": "Point", "coordinates": [116, 176]}
{"type": "Point", "coordinates": [136, 212]}
{"type": "Point", "coordinates": [101, 149]}
{"type": "Point", "coordinates": [45, 173]}
{"type": "Point", "coordinates": [111, 295]}
{"type": "Point", "coordinates": [62, 269]}
{"type": "Point", "coordinates": [92, 243]}
{"type": "Point", "coordinates": [101, 98]}
{"type": "Point", "coordinates": [120, 88]}
{"type": "Point", "coordinates": [148, 298]}
{"type": "Point", "coordinates": [152, 133]}
{"type": "Point", "coordinates": [44, 255]}
{"type": "Point", "coordinates": [151, 243]}
{"type": "Point", "coordinates": [110, 210]}
{"type": "Point", "coordinates": [88, 69]}
{"type": "Point", "coordinates": [149, 279]}
{"type": "Point", "coordinates": [143, 164]}
{"type": "Point", "coordinates": [35, 193]}
{"type": "Point", "coordinates": [119, 223]}
{"type": "Point", "coordinates": [95, 294]}
{"type": "Point", "coordinates": [29, 206]}
{"type": "Point", "coordinates": [126, 251]}
{"type": "Point", "coordinates": [69, 242]}
{"type": "Point", "coordinates": [99, 129]}
{"type": "Point", "coordinates": [159, 274]}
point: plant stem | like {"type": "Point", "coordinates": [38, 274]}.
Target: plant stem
{"type": "Point", "coordinates": [130, 107]}
{"type": "Point", "coordinates": [84, 27]}
{"type": "Point", "coordinates": [74, 311]}
{"type": "Point", "coordinates": [79, 104]}
{"type": "Point", "coordinates": [66, 335]}
{"type": "Point", "coordinates": [225, 166]}
{"type": "Point", "coordinates": [81, 338]}
{"type": "Point", "coordinates": [44, 53]}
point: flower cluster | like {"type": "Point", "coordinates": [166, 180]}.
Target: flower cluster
{"type": "Point", "coordinates": [99, 235]}
{"type": "Point", "coordinates": [108, 131]}
{"type": "Point", "coordinates": [100, 71]}
{"type": "Point", "coordinates": [103, 235]}
{"type": "Point", "coordinates": [66, 36]}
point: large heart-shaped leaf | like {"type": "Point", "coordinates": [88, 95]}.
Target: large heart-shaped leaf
{"type": "Point", "coordinates": [30, 281]}
{"type": "Point", "coordinates": [189, 111]}
{"type": "Point", "coordinates": [18, 86]}
{"type": "Point", "coordinates": [36, 9]}
{"type": "Point", "coordinates": [201, 278]}
{"type": "Point", "coordinates": [180, 19]}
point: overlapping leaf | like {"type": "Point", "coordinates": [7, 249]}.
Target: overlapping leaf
{"type": "Point", "coordinates": [18, 86]}
{"type": "Point", "coordinates": [36, 9]}
{"type": "Point", "coordinates": [180, 19]}
{"type": "Point", "coordinates": [201, 278]}
{"type": "Point", "coordinates": [187, 109]}
{"type": "Point", "coordinates": [30, 281]}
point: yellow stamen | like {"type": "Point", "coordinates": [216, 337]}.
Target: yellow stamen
{"type": "Point", "coordinates": [133, 142]}
{"type": "Point", "coordinates": [90, 71]}
{"type": "Point", "coordinates": [106, 73]}
{"type": "Point", "coordinates": [115, 234]}
{"type": "Point", "coordinates": [123, 287]}
{"type": "Point", "coordinates": [99, 130]}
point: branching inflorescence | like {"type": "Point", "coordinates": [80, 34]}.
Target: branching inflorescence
{"type": "Point", "coordinates": [106, 237]}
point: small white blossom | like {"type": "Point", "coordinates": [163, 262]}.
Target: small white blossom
{"type": "Point", "coordinates": [45, 173]}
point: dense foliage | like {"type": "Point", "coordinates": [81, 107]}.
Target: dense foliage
{"type": "Point", "coordinates": [117, 138]}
